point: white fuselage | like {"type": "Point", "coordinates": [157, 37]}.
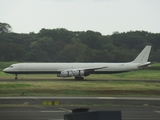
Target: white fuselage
{"type": "Point", "coordinates": [24, 68]}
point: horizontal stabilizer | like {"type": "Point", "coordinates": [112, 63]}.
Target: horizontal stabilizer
{"type": "Point", "coordinates": [145, 65]}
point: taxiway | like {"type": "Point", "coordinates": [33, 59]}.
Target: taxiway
{"type": "Point", "coordinates": [31, 108]}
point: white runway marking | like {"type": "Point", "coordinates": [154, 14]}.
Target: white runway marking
{"type": "Point", "coordinates": [157, 111]}
{"type": "Point", "coordinates": [65, 109]}
{"type": "Point", "coordinates": [52, 111]}
{"type": "Point", "coordinates": [55, 119]}
{"type": "Point", "coordinates": [25, 103]}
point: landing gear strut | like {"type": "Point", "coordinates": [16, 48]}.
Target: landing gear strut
{"type": "Point", "coordinates": [16, 77]}
{"type": "Point", "coordinates": [79, 78]}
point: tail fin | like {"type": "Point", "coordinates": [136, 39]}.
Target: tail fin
{"type": "Point", "coordinates": [143, 56]}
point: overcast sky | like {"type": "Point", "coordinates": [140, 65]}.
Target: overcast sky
{"type": "Point", "coordinates": [104, 16]}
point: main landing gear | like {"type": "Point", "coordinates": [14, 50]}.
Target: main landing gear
{"type": "Point", "coordinates": [16, 77]}
{"type": "Point", "coordinates": [79, 78]}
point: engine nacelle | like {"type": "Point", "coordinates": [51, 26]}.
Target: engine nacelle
{"type": "Point", "coordinates": [78, 73]}
{"type": "Point", "coordinates": [75, 73]}
{"type": "Point", "coordinates": [65, 74]}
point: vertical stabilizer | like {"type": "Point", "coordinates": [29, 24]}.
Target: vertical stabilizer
{"type": "Point", "coordinates": [143, 56]}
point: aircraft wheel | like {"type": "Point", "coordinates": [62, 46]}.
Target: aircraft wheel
{"type": "Point", "coordinates": [16, 77]}
{"type": "Point", "coordinates": [79, 78]}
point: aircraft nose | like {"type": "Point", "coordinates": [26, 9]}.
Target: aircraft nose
{"type": "Point", "coordinates": [5, 70]}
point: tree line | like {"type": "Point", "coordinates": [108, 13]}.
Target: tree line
{"type": "Point", "coordinates": [62, 45]}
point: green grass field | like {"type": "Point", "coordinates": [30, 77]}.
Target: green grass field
{"type": "Point", "coordinates": [93, 85]}
{"type": "Point", "coordinates": [79, 88]}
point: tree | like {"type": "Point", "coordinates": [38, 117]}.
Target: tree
{"type": "Point", "coordinates": [74, 52]}
{"type": "Point", "coordinates": [5, 28]}
{"type": "Point", "coordinates": [92, 39]}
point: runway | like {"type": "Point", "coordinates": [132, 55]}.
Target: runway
{"type": "Point", "coordinates": [121, 101]}
{"type": "Point", "coordinates": [31, 108]}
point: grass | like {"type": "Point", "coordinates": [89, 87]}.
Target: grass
{"type": "Point", "coordinates": [79, 88]}
{"type": "Point", "coordinates": [14, 85]}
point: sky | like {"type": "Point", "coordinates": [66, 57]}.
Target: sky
{"type": "Point", "coordinates": [104, 16]}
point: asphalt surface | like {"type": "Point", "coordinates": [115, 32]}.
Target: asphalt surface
{"type": "Point", "coordinates": [57, 113]}
{"type": "Point", "coordinates": [31, 108]}
{"type": "Point", "coordinates": [114, 101]}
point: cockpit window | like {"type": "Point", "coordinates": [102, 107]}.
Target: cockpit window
{"type": "Point", "coordinates": [11, 66]}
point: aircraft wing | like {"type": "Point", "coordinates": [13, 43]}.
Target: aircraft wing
{"type": "Point", "coordinates": [86, 69]}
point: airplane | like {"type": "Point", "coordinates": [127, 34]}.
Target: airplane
{"type": "Point", "coordinates": [79, 70]}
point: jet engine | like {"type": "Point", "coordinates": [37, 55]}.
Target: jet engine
{"type": "Point", "coordinates": [75, 73]}
{"type": "Point", "coordinates": [78, 73]}
{"type": "Point", "coordinates": [65, 74]}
